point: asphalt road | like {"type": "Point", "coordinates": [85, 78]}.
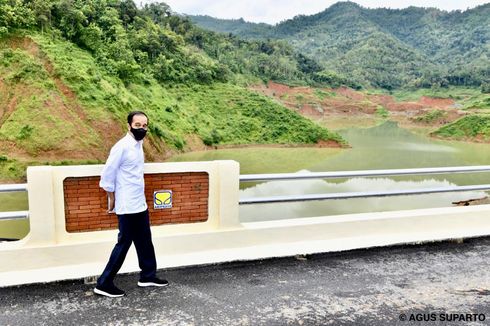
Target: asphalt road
{"type": "Point", "coordinates": [432, 284]}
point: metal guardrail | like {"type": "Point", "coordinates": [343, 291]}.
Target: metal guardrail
{"type": "Point", "coordinates": [17, 215]}
{"type": "Point", "coordinates": [13, 187]}
{"type": "Point", "coordinates": [350, 195]}
{"type": "Point", "coordinates": [366, 173]}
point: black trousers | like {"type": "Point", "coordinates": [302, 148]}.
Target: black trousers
{"type": "Point", "coordinates": [132, 228]}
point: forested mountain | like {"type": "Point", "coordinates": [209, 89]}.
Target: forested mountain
{"type": "Point", "coordinates": [234, 26]}
{"type": "Point", "coordinates": [152, 41]}
{"type": "Point", "coordinates": [388, 48]}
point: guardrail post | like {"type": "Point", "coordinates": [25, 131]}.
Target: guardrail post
{"type": "Point", "coordinates": [229, 187]}
{"type": "Point", "coordinates": [41, 205]}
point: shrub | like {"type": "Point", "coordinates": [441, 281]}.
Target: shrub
{"type": "Point", "coordinates": [25, 132]}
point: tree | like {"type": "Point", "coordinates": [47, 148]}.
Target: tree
{"type": "Point", "coordinates": [485, 88]}
{"type": "Point", "coordinates": [42, 12]}
{"type": "Point", "coordinates": [72, 19]}
{"type": "Point", "coordinates": [91, 37]}
{"type": "Point", "coordinates": [158, 11]}
{"type": "Point", "coordinates": [14, 14]}
{"type": "Point", "coordinates": [128, 12]}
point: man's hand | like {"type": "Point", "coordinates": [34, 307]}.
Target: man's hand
{"type": "Point", "coordinates": [111, 202]}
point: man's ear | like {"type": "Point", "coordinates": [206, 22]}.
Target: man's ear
{"type": "Point", "coordinates": [129, 127]}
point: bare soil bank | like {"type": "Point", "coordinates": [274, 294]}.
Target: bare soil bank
{"type": "Point", "coordinates": [345, 107]}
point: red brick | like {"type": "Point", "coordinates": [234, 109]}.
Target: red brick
{"type": "Point", "coordinates": [85, 182]}
{"type": "Point", "coordinates": [84, 191]}
{"type": "Point", "coordinates": [77, 211]}
{"type": "Point", "coordinates": [70, 191]}
{"type": "Point", "coordinates": [85, 215]}
{"type": "Point", "coordinates": [180, 219]}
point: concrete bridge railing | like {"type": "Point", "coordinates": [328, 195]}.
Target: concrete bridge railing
{"type": "Point", "coordinates": [71, 235]}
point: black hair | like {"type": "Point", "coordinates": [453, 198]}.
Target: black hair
{"type": "Point", "coordinates": [133, 113]}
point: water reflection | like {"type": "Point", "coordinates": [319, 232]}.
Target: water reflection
{"type": "Point", "coordinates": [249, 213]}
{"type": "Point", "coordinates": [423, 147]}
{"type": "Point", "coordinates": [389, 147]}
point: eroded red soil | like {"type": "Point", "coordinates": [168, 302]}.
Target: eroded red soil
{"type": "Point", "coordinates": [344, 102]}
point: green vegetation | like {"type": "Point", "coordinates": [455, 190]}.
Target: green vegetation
{"type": "Point", "coordinates": [234, 26]}
{"type": "Point", "coordinates": [72, 69]}
{"type": "Point", "coordinates": [176, 110]}
{"type": "Point", "coordinates": [382, 112]}
{"type": "Point", "coordinates": [465, 98]}
{"type": "Point", "coordinates": [431, 116]}
{"type": "Point", "coordinates": [321, 94]}
{"type": "Point", "coordinates": [456, 93]}
{"type": "Point", "coordinates": [479, 102]}
{"type": "Point", "coordinates": [468, 127]}
{"type": "Point", "coordinates": [228, 114]}
{"type": "Point", "coordinates": [32, 123]}
{"type": "Point", "coordinates": [387, 48]}
{"type": "Point", "coordinates": [136, 44]}
{"type": "Point", "coordinates": [15, 170]}
{"type": "Point", "coordinates": [485, 88]}
{"type": "Point", "coordinates": [11, 169]}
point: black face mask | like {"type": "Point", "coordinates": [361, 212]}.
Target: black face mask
{"type": "Point", "coordinates": [139, 133]}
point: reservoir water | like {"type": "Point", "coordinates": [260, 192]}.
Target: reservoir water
{"type": "Point", "coordinates": [381, 147]}
{"type": "Point", "coordinates": [15, 229]}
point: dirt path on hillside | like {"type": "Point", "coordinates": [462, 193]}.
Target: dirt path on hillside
{"type": "Point", "coordinates": [64, 104]}
{"type": "Point", "coordinates": [10, 105]}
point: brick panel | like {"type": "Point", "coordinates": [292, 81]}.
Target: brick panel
{"type": "Point", "coordinates": [86, 203]}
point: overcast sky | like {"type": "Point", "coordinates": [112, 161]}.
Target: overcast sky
{"type": "Point", "coordinates": [274, 11]}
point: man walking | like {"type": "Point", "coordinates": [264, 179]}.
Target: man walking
{"type": "Point", "coordinates": [123, 180]}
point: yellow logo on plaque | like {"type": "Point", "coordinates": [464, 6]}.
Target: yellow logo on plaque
{"type": "Point", "coordinates": [162, 199]}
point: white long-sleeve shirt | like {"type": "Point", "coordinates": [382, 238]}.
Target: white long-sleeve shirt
{"type": "Point", "coordinates": [123, 174]}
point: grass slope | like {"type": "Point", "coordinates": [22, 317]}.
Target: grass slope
{"type": "Point", "coordinates": [473, 127]}
{"type": "Point", "coordinates": [57, 106]}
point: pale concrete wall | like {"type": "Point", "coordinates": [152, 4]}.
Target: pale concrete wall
{"type": "Point", "coordinates": [50, 253]}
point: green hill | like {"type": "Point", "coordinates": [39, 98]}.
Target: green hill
{"type": "Point", "coordinates": [72, 70]}
{"type": "Point", "coordinates": [473, 127]}
{"type": "Point", "coordinates": [426, 47]}
{"type": "Point", "coordinates": [233, 26]}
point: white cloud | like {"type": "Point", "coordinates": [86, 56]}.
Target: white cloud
{"type": "Point", "coordinates": [274, 11]}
